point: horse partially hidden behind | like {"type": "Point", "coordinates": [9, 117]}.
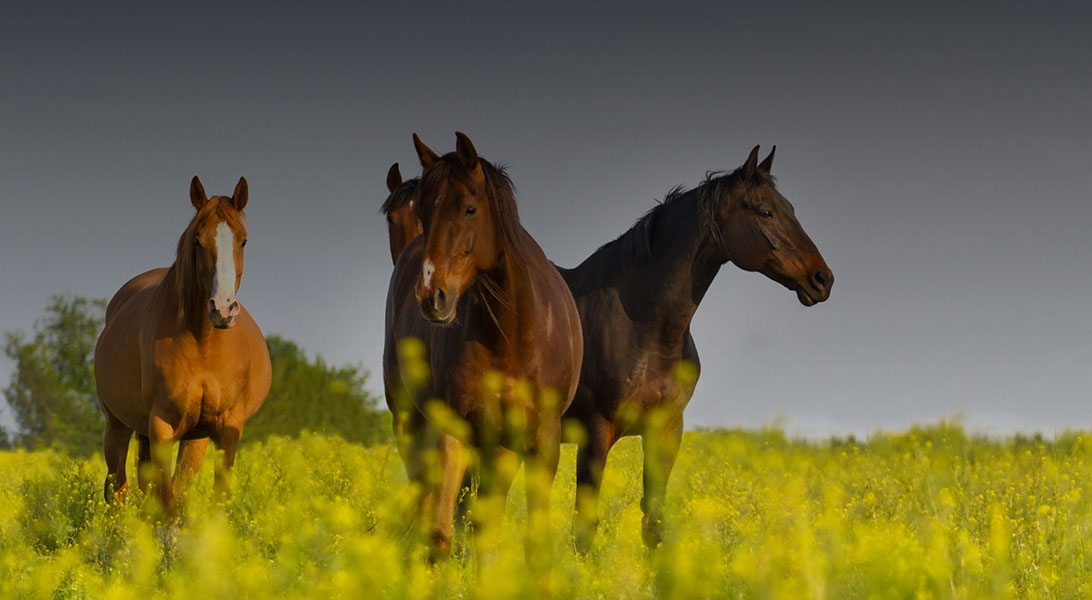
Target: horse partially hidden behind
{"type": "Point", "coordinates": [179, 357]}
{"type": "Point", "coordinates": [501, 339]}
{"type": "Point", "coordinates": [402, 222]}
{"type": "Point", "coordinates": [636, 297]}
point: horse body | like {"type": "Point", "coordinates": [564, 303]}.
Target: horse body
{"type": "Point", "coordinates": [167, 371]}
{"type": "Point", "coordinates": [636, 321]}
{"type": "Point", "coordinates": [175, 369]}
{"type": "Point", "coordinates": [508, 337]}
{"type": "Point", "coordinates": [501, 339]}
{"type": "Point", "coordinates": [637, 296]}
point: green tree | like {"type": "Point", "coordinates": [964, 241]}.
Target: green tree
{"type": "Point", "coordinates": [312, 396]}
{"type": "Point", "coordinates": [52, 391]}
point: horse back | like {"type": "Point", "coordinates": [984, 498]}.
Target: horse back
{"type": "Point", "coordinates": [145, 281]}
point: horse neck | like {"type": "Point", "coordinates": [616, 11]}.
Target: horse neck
{"type": "Point", "coordinates": [680, 268]}
{"type": "Point", "coordinates": [507, 292]}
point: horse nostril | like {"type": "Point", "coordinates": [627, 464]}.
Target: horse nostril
{"type": "Point", "coordinates": [234, 307]}
{"type": "Point", "coordinates": [820, 279]}
{"type": "Point", "coordinates": [438, 298]}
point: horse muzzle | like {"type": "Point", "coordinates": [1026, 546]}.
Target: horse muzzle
{"type": "Point", "coordinates": [817, 287]}
{"type": "Point", "coordinates": [222, 314]}
{"type": "Point", "coordinates": [438, 306]}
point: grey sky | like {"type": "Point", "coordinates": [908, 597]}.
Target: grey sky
{"type": "Point", "coordinates": [939, 157]}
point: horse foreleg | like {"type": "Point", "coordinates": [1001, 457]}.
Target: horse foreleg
{"type": "Point", "coordinates": [591, 459]}
{"type": "Point", "coordinates": [191, 453]}
{"type": "Point", "coordinates": [228, 442]}
{"type": "Point", "coordinates": [115, 450]}
{"type": "Point", "coordinates": [661, 448]}
{"type": "Point", "coordinates": [144, 462]}
{"type": "Point", "coordinates": [451, 466]}
{"type": "Point", "coordinates": [540, 469]}
{"type": "Point", "coordinates": [497, 469]}
{"type": "Point", "coordinates": [161, 435]}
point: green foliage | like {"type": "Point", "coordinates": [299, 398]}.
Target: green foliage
{"type": "Point", "coordinates": [929, 513]}
{"type": "Point", "coordinates": [52, 392]}
{"type": "Point", "coordinates": [315, 397]}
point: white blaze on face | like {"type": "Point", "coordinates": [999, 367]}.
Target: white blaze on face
{"type": "Point", "coordinates": [223, 282]}
{"type": "Point", "coordinates": [427, 270]}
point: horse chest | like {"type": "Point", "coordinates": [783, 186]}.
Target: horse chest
{"type": "Point", "coordinates": [200, 383]}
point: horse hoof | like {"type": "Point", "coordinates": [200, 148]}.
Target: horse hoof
{"type": "Point", "coordinates": [653, 534]}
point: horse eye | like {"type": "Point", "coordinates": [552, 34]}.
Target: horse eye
{"type": "Point", "coordinates": [470, 210]}
{"type": "Point", "coordinates": [243, 245]}
{"type": "Point", "coordinates": [765, 214]}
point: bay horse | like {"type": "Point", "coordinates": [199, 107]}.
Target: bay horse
{"type": "Point", "coordinates": [637, 295]}
{"type": "Point", "coordinates": [501, 338]}
{"type": "Point", "coordinates": [180, 359]}
{"type": "Point", "coordinates": [402, 222]}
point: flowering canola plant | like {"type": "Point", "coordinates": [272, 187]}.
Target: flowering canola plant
{"type": "Point", "coordinates": [928, 513]}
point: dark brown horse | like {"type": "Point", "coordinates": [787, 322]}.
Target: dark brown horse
{"type": "Point", "coordinates": [402, 222]}
{"type": "Point", "coordinates": [636, 297]}
{"type": "Point", "coordinates": [179, 357]}
{"type": "Point", "coordinates": [501, 340]}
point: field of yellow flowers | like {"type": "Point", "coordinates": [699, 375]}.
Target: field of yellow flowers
{"type": "Point", "coordinates": [930, 513]}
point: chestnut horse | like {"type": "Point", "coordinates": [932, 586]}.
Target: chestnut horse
{"type": "Point", "coordinates": [179, 357]}
{"type": "Point", "coordinates": [501, 339]}
{"type": "Point", "coordinates": [636, 297]}
{"type": "Point", "coordinates": [402, 222]}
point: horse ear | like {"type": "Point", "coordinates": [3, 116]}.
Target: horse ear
{"type": "Point", "coordinates": [394, 178]}
{"type": "Point", "coordinates": [464, 149]}
{"type": "Point", "coordinates": [197, 193]}
{"type": "Point", "coordinates": [424, 153]}
{"type": "Point", "coordinates": [767, 163]}
{"type": "Point", "coordinates": [751, 165]}
{"type": "Point", "coordinates": [239, 198]}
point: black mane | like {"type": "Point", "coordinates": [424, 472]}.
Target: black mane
{"type": "Point", "coordinates": [637, 240]}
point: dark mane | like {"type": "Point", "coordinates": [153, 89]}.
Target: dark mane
{"type": "Point", "coordinates": [501, 192]}
{"type": "Point", "coordinates": [637, 240]}
{"type": "Point", "coordinates": [400, 197]}
{"type": "Point", "coordinates": [184, 269]}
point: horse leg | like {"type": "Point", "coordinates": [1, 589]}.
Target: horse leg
{"type": "Point", "coordinates": [540, 469]}
{"type": "Point", "coordinates": [591, 460]}
{"type": "Point", "coordinates": [661, 447]}
{"type": "Point", "coordinates": [161, 435]}
{"type": "Point", "coordinates": [416, 441]}
{"type": "Point", "coordinates": [227, 440]}
{"type": "Point", "coordinates": [191, 453]}
{"type": "Point", "coordinates": [451, 466]}
{"type": "Point", "coordinates": [144, 462]}
{"type": "Point", "coordinates": [115, 450]}
{"type": "Point", "coordinates": [497, 467]}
